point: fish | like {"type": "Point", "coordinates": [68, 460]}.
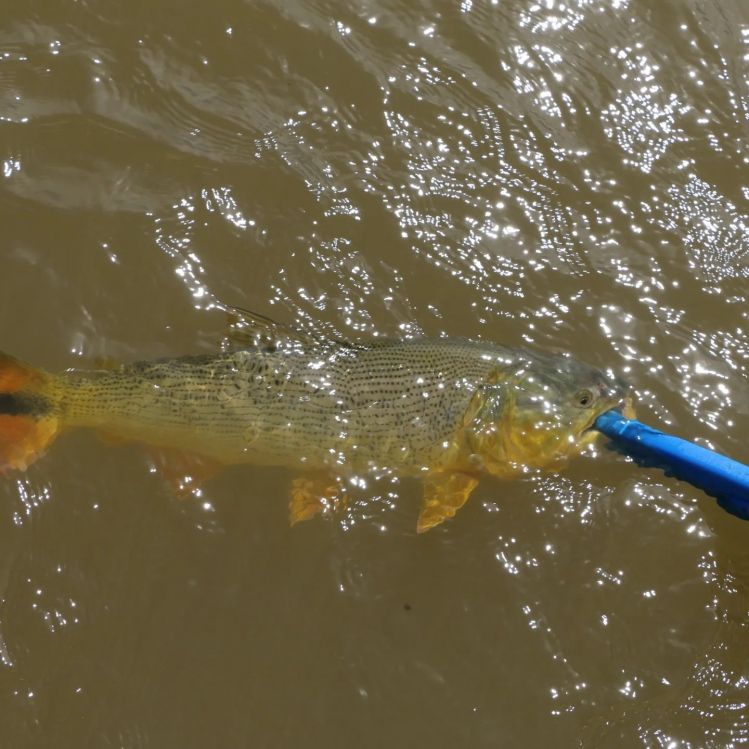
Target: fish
{"type": "Point", "coordinates": [448, 411]}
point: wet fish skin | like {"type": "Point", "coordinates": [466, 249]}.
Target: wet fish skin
{"type": "Point", "coordinates": [438, 408]}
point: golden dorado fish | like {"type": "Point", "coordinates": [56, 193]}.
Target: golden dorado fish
{"type": "Point", "coordinates": [445, 410]}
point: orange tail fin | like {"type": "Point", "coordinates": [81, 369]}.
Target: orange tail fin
{"type": "Point", "coordinates": [29, 413]}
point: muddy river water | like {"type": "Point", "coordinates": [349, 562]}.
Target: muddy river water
{"type": "Point", "coordinates": [570, 176]}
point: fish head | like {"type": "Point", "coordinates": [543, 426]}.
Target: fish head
{"type": "Point", "coordinates": [544, 413]}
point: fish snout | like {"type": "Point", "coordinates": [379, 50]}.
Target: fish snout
{"type": "Point", "coordinates": [616, 390]}
{"type": "Point", "coordinates": [619, 392]}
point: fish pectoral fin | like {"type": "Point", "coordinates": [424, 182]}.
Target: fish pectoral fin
{"type": "Point", "coordinates": [444, 495]}
{"type": "Point", "coordinates": [314, 493]}
{"type": "Point", "coordinates": [185, 472]}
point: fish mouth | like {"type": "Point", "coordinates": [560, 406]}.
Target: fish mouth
{"type": "Point", "coordinates": [625, 405]}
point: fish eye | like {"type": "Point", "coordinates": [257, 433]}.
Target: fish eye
{"type": "Point", "coordinates": [584, 398]}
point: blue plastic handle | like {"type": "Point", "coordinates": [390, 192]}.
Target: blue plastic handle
{"type": "Point", "coordinates": [717, 475]}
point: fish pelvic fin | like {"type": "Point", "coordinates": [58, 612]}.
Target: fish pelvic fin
{"type": "Point", "coordinates": [444, 494]}
{"type": "Point", "coordinates": [315, 493]}
{"type": "Point", "coordinates": [29, 413]}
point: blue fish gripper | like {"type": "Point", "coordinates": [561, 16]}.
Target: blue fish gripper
{"type": "Point", "coordinates": [717, 475]}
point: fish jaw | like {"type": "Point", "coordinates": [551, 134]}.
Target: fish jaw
{"type": "Point", "coordinates": [590, 435]}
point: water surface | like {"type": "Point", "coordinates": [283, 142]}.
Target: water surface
{"type": "Point", "coordinates": [568, 176]}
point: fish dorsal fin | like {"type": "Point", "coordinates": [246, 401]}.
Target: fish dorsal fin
{"type": "Point", "coordinates": [251, 330]}
{"type": "Point", "coordinates": [247, 329]}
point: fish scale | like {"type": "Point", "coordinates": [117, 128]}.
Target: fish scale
{"type": "Point", "coordinates": [447, 409]}
{"type": "Point", "coordinates": [317, 407]}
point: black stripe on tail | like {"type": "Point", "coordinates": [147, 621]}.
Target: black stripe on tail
{"type": "Point", "coordinates": [24, 404]}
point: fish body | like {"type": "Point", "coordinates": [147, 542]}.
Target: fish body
{"type": "Point", "coordinates": [390, 408]}
{"type": "Point", "coordinates": [448, 410]}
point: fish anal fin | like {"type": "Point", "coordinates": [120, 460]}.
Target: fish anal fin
{"type": "Point", "coordinates": [314, 493]}
{"type": "Point", "coordinates": [444, 494]}
{"type": "Point", "coordinates": [185, 472]}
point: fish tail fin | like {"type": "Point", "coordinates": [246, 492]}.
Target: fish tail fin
{"type": "Point", "coordinates": [29, 413]}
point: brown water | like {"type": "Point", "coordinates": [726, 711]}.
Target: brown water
{"type": "Point", "coordinates": [567, 175]}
